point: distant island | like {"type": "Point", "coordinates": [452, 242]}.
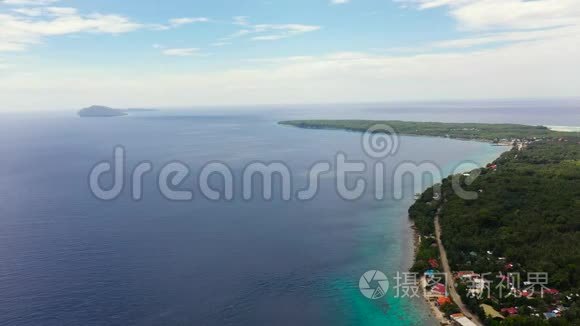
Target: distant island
{"type": "Point", "coordinates": [139, 110]}
{"type": "Point", "coordinates": [101, 111]}
{"type": "Point", "coordinates": [104, 111]}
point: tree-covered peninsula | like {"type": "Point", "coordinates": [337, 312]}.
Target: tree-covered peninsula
{"type": "Point", "coordinates": [524, 221]}
{"type": "Point", "coordinates": [476, 131]}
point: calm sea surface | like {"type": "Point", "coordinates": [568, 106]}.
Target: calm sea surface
{"type": "Point", "coordinates": [67, 258]}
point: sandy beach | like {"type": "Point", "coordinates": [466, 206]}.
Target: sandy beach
{"type": "Point", "coordinates": [430, 301]}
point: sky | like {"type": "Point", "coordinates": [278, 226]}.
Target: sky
{"type": "Point", "coordinates": [61, 54]}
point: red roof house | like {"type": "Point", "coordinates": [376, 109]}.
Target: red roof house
{"type": "Point", "coordinates": [551, 291]}
{"type": "Point", "coordinates": [439, 289]}
{"type": "Point", "coordinates": [443, 300]}
{"type": "Point", "coordinates": [433, 263]}
{"type": "Point", "coordinates": [510, 311]}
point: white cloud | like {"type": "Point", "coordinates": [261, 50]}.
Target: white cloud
{"type": "Point", "coordinates": [339, 2]}
{"type": "Point", "coordinates": [540, 68]}
{"type": "Point", "coordinates": [283, 60]}
{"type": "Point", "coordinates": [492, 39]}
{"type": "Point", "coordinates": [518, 14]}
{"type": "Point", "coordinates": [506, 14]}
{"type": "Point", "coordinates": [28, 2]}
{"type": "Point", "coordinates": [241, 20]}
{"type": "Point", "coordinates": [3, 65]}
{"type": "Point", "coordinates": [503, 37]}
{"type": "Point", "coordinates": [273, 37]}
{"type": "Point", "coordinates": [177, 22]}
{"type": "Point", "coordinates": [523, 62]}
{"type": "Point", "coordinates": [188, 20]}
{"type": "Point", "coordinates": [268, 32]}
{"type": "Point", "coordinates": [61, 11]}
{"type": "Point", "coordinates": [500, 22]}
{"type": "Point", "coordinates": [281, 31]}
{"type": "Point", "coordinates": [28, 26]}
{"type": "Point", "coordinates": [32, 12]}
{"type": "Point", "coordinates": [45, 11]}
{"type": "Point", "coordinates": [181, 52]}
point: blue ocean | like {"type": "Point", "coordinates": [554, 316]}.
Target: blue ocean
{"type": "Point", "coordinates": [68, 258]}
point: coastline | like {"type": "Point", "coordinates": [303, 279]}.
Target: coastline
{"type": "Point", "coordinates": [416, 240]}
{"type": "Point", "coordinates": [433, 310]}
{"type": "Point", "coordinates": [546, 150]}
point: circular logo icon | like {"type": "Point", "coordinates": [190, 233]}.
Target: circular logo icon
{"type": "Point", "coordinates": [373, 284]}
{"type": "Point", "coordinates": [380, 141]}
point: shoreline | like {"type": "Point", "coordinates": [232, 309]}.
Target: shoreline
{"type": "Point", "coordinates": [433, 309]}
{"type": "Point", "coordinates": [424, 220]}
{"type": "Point", "coordinates": [416, 240]}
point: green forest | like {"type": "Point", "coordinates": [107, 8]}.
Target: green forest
{"type": "Point", "coordinates": [527, 214]}
{"type": "Point", "coordinates": [482, 131]}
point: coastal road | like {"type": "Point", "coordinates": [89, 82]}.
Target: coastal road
{"type": "Point", "coordinates": [447, 270]}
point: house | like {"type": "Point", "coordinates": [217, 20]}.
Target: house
{"type": "Point", "coordinates": [477, 286]}
{"type": "Point", "coordinates": [429, 273]}
{"type": "Point", "coordinates": [561, 308]}
{"type": "Point", "coordinates": [460, 319]}
{"type": "Point", "coordinates": [439, 290]}
{"type": "Point", "coordinates": [492, 166]}
{"type": "Point", "coordinates": [460, 274]}
{"type": "Point", "coordinates": [510, 311]}
{"type": "Point", "coordinates": [490, 312]}
{"type": "Point", "coordinates": [466, 275]}
{"type": "Point", "coordinates": [526, 294]}
{"type": "Point", "coordinates": [433, 263]}
{"type": "Point", "coordinates": [443, 301]}
{"type": "Point", "coordinates": [551, 291]}
{"type": "Point", "coordinates": [550, 315]}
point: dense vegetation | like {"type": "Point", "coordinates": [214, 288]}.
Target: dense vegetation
{"type": "Point", "coordinates": [483, 131]}
{"type": "Point", "coordinates": [528, 211]}
{"type": "Point", "coordinates": [527, 214]}
{"type": "Point", "coordinates": [423, 212]}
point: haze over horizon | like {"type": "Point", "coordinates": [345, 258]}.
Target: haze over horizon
{"type": "Point", "coordinates": [58, 54]}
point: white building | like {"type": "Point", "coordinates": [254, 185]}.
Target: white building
{"type": "Point", "coordinates": [462, 320]}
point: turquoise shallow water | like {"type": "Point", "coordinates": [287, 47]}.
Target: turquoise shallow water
{"type": "Point", "coordinates": [396, 257]}
{"type": "Point", "coordinates": [67, 258]}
